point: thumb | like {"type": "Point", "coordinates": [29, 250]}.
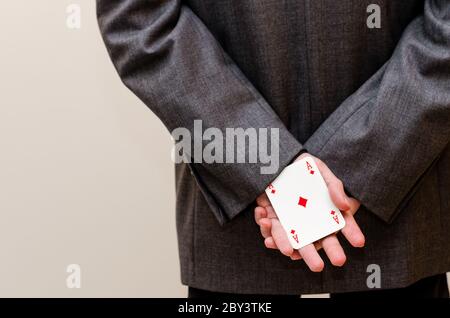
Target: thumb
{"type": "Point", "coordinates": [335, 186]}
{"type": "Point", "coordinates": [338, 196]}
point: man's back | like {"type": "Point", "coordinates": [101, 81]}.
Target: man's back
{"type": "Point", "coordinates": [306, 57]}
{"type": "Point", "coordinates": [324, 73]}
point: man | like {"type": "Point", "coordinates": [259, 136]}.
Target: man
{"type": "Point", "coordinates": [372, 104]}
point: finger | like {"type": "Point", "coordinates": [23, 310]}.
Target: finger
{"type": "Point", "coordinates": [312, 258]}
{"type": "Point", "coordinates": [351, 231]}
{"type": "Point", "coordinates": [318, 245]}
{"type": "Point", "coordinates": [334, 250]}
{"type": "Point", "coordinates": [280, 238]}
{"type": "Point", "coordinates": [270, 212]}
{"type": "Point", "coordinates": [354, 205]}
{"type": "Point", "coordinates": [335, 186]}
{"type": "Point", "coordinates": [263, 200]}
{"type": "Point", "coordinates": [296, 256]}
{"type": "Point", "coordinates": [259, 214]}
{"type": "Point", "coordinates": [270, 243]}
{"type": "Point", "coordinates": [266, 227]}
{"type": "Point", "coordinates": [337, 195]}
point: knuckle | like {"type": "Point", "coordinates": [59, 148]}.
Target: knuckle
{"type": "Point", "coordinates": [286, 251]}
{"type": "Point", "coordinates": [259, 201]}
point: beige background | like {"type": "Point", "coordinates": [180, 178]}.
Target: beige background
{"type": "Point", "coordinates": [85, 170]}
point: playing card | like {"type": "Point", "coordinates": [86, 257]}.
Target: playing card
{"type": "Point", "coordinates": [303, 205]}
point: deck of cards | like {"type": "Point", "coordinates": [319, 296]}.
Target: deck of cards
{"type": "Point", "coordinates": [299, 196]}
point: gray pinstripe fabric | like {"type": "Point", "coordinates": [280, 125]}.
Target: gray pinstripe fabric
{"type": "Point", "coordinates": [374, 104]}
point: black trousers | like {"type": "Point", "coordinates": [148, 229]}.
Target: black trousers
{"type": "Point", "coordinates": [430, 287]}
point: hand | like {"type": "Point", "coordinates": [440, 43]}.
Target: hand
{"type": "Point", "coordinates": [276, 238]}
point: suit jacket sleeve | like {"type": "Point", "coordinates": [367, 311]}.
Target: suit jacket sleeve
{"type": "Point", "coordinates": [168, 58]}
{"type": "Point", "coordinates": [382, 139]}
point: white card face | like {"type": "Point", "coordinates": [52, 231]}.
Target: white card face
{"type": "Point", "coordinates": [303, 205]}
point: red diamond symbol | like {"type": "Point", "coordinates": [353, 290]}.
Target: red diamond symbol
{"type": "Point", "coordinates": [302, 201]}
{"type": "Point", "coordinates": [273, 190]}
{"type": "Point", "coordinates": [332, 212]}
{"type": "Point", "coordinates": [311, 171]}
{"type": "Point", "coordinates": [292, 231]}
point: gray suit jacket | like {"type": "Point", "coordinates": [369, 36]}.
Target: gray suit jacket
{"type": "Point", "coordinates": [373, 104]}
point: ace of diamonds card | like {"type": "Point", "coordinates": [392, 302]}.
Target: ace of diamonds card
{"type": "Point", "coordinates": [299, 196]}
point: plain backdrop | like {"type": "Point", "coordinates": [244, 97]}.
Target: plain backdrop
{"type": "Point", "coordinates": [85, 171]}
